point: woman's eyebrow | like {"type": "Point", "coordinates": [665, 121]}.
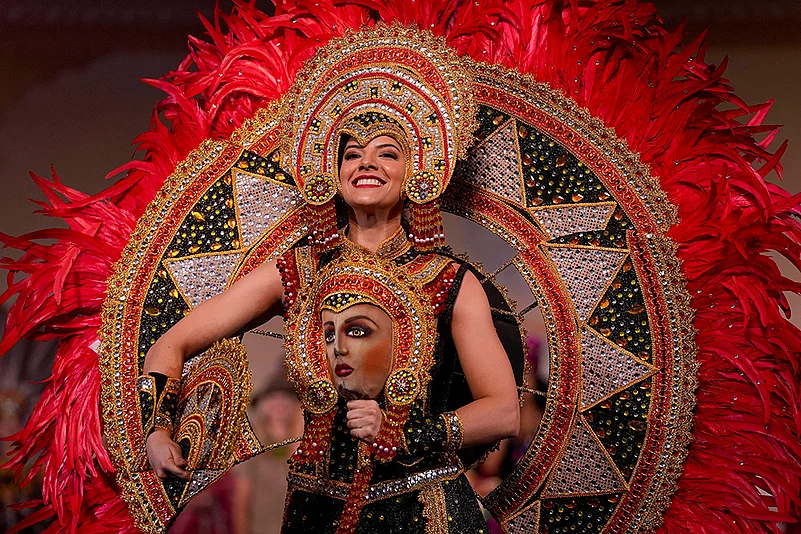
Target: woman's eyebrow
{"type": "Point", "coordinates": [390, 145]}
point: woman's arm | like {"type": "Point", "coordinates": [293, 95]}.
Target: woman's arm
{"type": "Point", "coordinates": [494, 413]}
{"type": "Point", "coordinates": [251, 301]}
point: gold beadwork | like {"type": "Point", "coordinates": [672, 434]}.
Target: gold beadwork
{"type": "Point", "coordinates": [372, 81]}
{"type": "Point", "coordinates": [434, 508]}
{"type": "Point", "coordinates": [455, 429]}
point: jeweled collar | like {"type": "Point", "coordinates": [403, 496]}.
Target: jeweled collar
{"type": "Point", "coordinates": [392, 247]}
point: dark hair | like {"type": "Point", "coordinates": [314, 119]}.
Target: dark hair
{"type": "Point", "coordinates": [343, 143]}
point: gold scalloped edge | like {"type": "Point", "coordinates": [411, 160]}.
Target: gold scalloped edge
{"type": "Point", "coordinates": [674, 451]}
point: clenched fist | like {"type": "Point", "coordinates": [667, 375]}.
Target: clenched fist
{"type": "Point", "coordinates": [364, 419]}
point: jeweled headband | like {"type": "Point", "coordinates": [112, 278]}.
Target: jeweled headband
{"type": "Point", "coordinates": [340, 301]}
{"type": "Point", "coordinates": [406, 75]}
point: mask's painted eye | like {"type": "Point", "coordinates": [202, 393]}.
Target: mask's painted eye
{"type": "Point", "coordinates": [358, 331]}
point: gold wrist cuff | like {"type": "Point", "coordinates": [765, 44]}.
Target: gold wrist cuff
{"type": "Point", "coordinates": [455, 430]}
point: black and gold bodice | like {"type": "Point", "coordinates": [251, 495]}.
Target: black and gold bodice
{"type": "Point", "coordinates": [415, 490]}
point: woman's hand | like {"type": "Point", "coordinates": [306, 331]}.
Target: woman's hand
{"type": "Point", "coordinates": [164, 455]}
{"type": "Point", "coordinates": [364, 419]}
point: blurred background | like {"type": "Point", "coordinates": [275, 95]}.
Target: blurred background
{"type": "Point", "coordinates": [71, 97]}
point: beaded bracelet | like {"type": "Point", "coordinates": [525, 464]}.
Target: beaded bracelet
{"type": "Point", "coordinates": [443, 433]}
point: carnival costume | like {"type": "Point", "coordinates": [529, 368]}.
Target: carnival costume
{"type": "Point", "coordinates": [409, 479]}
{"type": "Point", "coordinates": [578, 132]}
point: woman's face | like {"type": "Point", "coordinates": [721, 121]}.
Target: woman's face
{"type": "Point", "coordinates": [358, 341]}
{"type": "Point", "coordinates": [371, 176]}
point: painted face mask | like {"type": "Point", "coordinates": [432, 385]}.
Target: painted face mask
{"type": "Point", "coordinates": [358, 340]}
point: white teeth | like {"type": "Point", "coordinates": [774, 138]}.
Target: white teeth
{"type": "Point", "coordinates": [367, 181]}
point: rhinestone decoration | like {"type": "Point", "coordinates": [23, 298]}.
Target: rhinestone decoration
{"type": "Point", "coordinates": [494, 165]}
{"type": "Point", "coordinates": [210, 225]}
{"type": "Point", "coordinates": [584, 468]}
{"type": "Point", "coordinates": [175, 490]}
{"type": "Point", "coordinates": [261, 204]}
{"type": "Point", "coordinates": [621, 422]}
{"type": "Point", "coordinates": [606, 369]}
{"type": "Point", "coordinates": [489, 120]}
{"type": "Point", "coordinates": [422, 187]}
{"type": "Point", "coordinates": [163, 307]}
{"type": "Point", "coordinates": [341, 301]}
{"type": "Point", "coordinates": [621, 315]}
{"type": "Point", "coordinates": [320, 189]}
{"type": "Point", "coordinates": [587, 515]}
{"type": "Point", "coordinates": [552, 174]}
{"type": "Point", "coordinates": [612, 235]}
{"type": "Point", "coordinates": [200, 480]}
{"type": "Point", "coordinates": [215, 388]}
{"type": "Point", "coordinates": [527, 522]}
{"type": "Point", "coordinates": [561, 221]}
{"type": "Point", "coordinates": [267, 167]}
{"type": "Point", "coordinates": [586, 273]}
{"type": "Point", "coordinates": [201, 277]}
{"type": "Point", "coordinates": [320, 396]}
{"type": "Point", "coordinates": [402, 387]}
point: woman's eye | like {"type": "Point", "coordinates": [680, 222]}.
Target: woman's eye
{"type": "Point", "coordinates": [329, 336]}
{"type": "Point", "coordinates": [351, 155]}
{"type": "Point", "coordinates": [390, 155]}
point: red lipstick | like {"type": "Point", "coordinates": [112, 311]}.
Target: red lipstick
{"type": "Point", "coordinates": [355, 181]}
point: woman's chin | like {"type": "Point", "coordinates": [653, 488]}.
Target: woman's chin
{"type": "Point", "coordinates": [370, 201]}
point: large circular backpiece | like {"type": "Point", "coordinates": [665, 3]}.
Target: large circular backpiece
{"type": "Point", "coordinates": [586, 225]}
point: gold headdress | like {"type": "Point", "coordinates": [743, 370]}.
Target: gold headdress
{"type": "Point", "coordinates": [387, 80]}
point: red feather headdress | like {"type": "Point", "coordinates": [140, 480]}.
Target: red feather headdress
{"type": "Point", "coordinates": [614, 58]}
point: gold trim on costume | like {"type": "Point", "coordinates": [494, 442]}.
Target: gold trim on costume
{"type": "Point", "coordinates": [434, 508]}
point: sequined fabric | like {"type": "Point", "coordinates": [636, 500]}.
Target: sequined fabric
{"type": "Point", "coordinates": [423, 486]}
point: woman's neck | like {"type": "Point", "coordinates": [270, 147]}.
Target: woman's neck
{"type": "Point", "coordinates": [370, 230]}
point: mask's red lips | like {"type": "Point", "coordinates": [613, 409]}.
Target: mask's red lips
{"type": "Point", "coordinates": [342, 370]}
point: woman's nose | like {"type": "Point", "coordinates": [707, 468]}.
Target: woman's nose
{"type": "Point", "coordinates": [368, 160]}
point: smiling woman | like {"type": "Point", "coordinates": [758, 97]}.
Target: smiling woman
{"type": "Point", "coordinates": [390, 340]}
{"type": "Point", "coordinates": [371, 176]}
